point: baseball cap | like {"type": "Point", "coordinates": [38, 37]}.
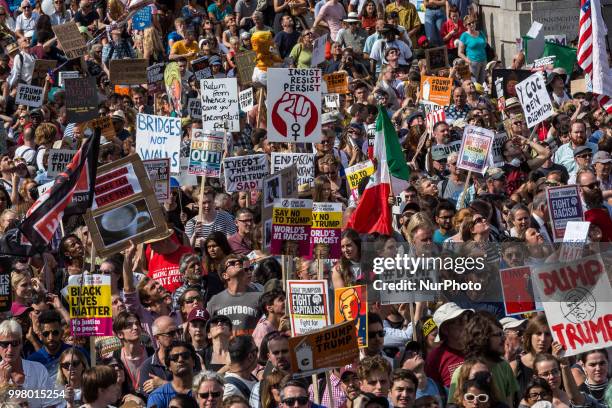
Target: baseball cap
{"type": "Point", "coordinates": [218, 319]}
{"type": "Point", "coordinates": [447, 312]}
{"type": "Point", "coordinates": [198, 314]}
{"type": "Point", "coordinates": [581, 149]}
{"type": "Point", "coordinates": [512, 102]}
{"type": "Point", "coordinates": [512, 323]}
{"type": "Point", "coordinates": [602, 157]}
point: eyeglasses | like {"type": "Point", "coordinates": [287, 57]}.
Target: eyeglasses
{"type": "Point", "coordinates": [171, 333]}
{"type": "Point", "coordinates": [291, 401]}
{"type": "Point", "coordinates": [55, 333]}
{"type": "Point", "coordinates": [185, 355]}
{"type": "Point", "coordinates": [584, 156]}
{"type": "Point", "coordinates": [478, 397]}
{"type": "Point", "coordinates": [205, 395]}
{"type": "Point", "coordinates": [14, 343]}
{"type": "Point", "coordinates": [66, 366]}
{"type": "Point", "coordinates": [591, 186]}
{"type": "Point", "coordinates": [379, 333]}
{"type": "Point", "coordinates": [538, 395]}
{"type": "Point", "coordinates": [193, 299]}
{"type": "Point", "coordinates": [552, 373]}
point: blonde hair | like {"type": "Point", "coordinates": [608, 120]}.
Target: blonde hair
{"type": "Point", "coordinates": [45, 133]}
{"type": "Point", "coordinates": [418, 221]}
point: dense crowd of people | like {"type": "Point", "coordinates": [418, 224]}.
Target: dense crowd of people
{"type": "Point", "coordinates": [220, 336]}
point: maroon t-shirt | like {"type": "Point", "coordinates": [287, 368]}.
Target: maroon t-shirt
{"type": "Point", "coordinates": [441, 363]}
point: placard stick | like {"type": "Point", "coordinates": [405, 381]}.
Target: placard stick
{"type": "Point", "coordinates": [329, 388]}
{"type": "Point", "coordinates": [315, 388]}
{"type": "Point", "coordinates": [92, 264]}
{"type": "Point", "coordinates": [465, 187]}
{"type": "Point", "coordinates": [412, 320]}
{"type": "Point", "coordinates": [260, 101]}
{"type": "Point", "coordinates": [201, 198]}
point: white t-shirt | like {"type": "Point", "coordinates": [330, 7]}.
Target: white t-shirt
{"type": "Point", "coordinates": [27, 25]}
{"type": "Point", "coordinates": [26, 152]}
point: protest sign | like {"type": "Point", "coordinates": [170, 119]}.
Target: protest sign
{"type": "Point", "coordinates": [220, 105]}
{"type": "Point", "coordinates": [318, 51]}
{"type": "Point", "coordinates": [29, 95]}
{"type": "Point", "coordinates": [440, 151]}
{"type": "Point", "coordinates": [89, 297]}
{"type": "Point", "coordinates": [155, 77]}
{"type": "Point", "coordinates": [498, 148]}
{"type": "Point", "coordinates": [41, 69]}
{"type": "Point", "coordinates": [318, 351]}
{"type": "Point", "coordinates": [205, 153]}
{"type": "Point", "coordinates": [303, 161]}
{"type": "Point", "coordinates": [70, 40]}
{"type": "Point", "coordinates": [159, 175]}
{"type": "Point", "coordinates": [351, 305]}
{"type": "Point", "coordinates": [281, 184]}
{"type": "Point", "coordinates": [194, 107]}
{"type": "Point", "coordinates": [434, 117]}
{"type": "Point", "coordinates": [201, 69]}
{"type": "Point", "coordinates": [560, 39]}
{"type": "Point", "coordinates": [294, 105]}
{"type": "Point", "coordinates": [436, 58]}
{"type": "Point", "coordinates": [574, 240]}
{"type": "Point", "coordinates": [245, 64]}
{"type": "Point", "coordinates": [245, 173]}
{"type": "Point", "coordinates": [246, 100]}
{"type": "Point", "coordinates": [105, 124]}
{"type": "Point", "coordinates": [436, 89]}
{"type": "Point", "coordinates": [358, 172]}
{"type": "Point", "coordinates": [544, 64]}
{"type": "Point", "coordinates": [517, 289]}
{"type": "Point", "coordinates": [326, 230]}
{"type": "Point", "coordinates": [159, 137]}
{"type": "Point", "coordinates": [576, 299]}
{"type": "Point", "coordinates": [142, 18]}
{"type": "Point", "coordinates": [508, 78]}
{"type": "Point", "coordinates": [183, 177]}
{"type": "Point", "coordinates": [5, 283]}
{"type": "Point", "coordinates": [124, 208]}
{"type": "Point", "coordinates": [337, 82]}
{"type": "Point", "coordinates": [291, 223]}
{"type": "Point", "coordinates": [332, 101]}
{"type": "Point", "coordinates": [58, 160]}
{"type": "Point", "coordinates": [81, 99]}
{"type": "Point", "coordinates": [534, 99]}
{"type": "Point", "coordinates": [564, 205]}
{"type": "Point", "coordinates": [173, 81]}
{"type": "Point", "coordinates": [463, 70]}
{"type": "Point", "coordinates": [308, 304]}
{"type": "Point", "coordinates": [63, 75]}
{"type": "Point", "coordinates": [578, 85]}
{"type": "Point", "coordinates": [475, 149]}
{"type": "Point", "coordinates": [128, 71]}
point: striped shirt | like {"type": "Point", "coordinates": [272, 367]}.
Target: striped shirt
{"type": "Point", "coordinates": [223, 222]}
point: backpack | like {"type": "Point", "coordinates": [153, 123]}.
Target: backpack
{"type": "Point", "coordinates": [238, 383]}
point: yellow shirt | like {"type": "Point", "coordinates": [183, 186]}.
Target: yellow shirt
{"type": "Point", "coordinates": [181, 48]}
{"type": "Point", "coordinates": [408, 16]}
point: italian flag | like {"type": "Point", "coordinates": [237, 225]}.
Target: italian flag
{"type": "Point", "coordinates": [373, 213]}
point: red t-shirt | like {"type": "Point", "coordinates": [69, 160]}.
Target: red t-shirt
{"type": "Point", "coordinates": [441, 364]}
{"type": "Point", "coordinates": [164, 268]}
{"type": "Point", "coordinates": [601, 218]}
{"type": "Point", "coordinates": [447, 27]}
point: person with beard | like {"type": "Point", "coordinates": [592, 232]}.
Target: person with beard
{"type": "Point", "coordinates": [180, 359]}
{"type": "Point", "coordinates": [278, 356]}
{"type": "Point", "coordinates": [565, 154]}
{"type": "Point", "coordinates": [597, 212]}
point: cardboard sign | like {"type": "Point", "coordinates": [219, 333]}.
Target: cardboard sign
{"type": "Point", "coordinates": [564, 205]}
{"type": "Point", "coordinates": [337, 82]}
{"type": "Point", "coordinates": [508, 78]}
{"type": "Point", "coordinates": [128, 71]}
{"type": "Point", "coordinates": [578, 85]}
{"type": "Point", "coordinates": [291, 223]}
{"type": "Point", "coordinates": [159, 175]}
{"type": "Point", "coordinates": [29, 95]}
{"type": "Point", "coordinates": [125, 207]}
{"type": "Point", "coordinates": [245, 173]}
{"type": "Point", "coordinates": [475, 149]}
{"type": "Point", "coordinates": [303, 161]}
{"type": "Point", "coordinates": [105, 123]}
{"type": "Point", "coordinates": [498, 148]}
{"type": "Point", "coordinates": [220, 105]}
{"type": "Point", "coordinates": [294, 105]}
{"type": "Point", "coordinates": [282, 184]}
{"type": "Point", "coordinates": [63, 75]}
{"type": "Point", "coordinates": [41, 69]}
{"type": "Point", "coordinates": [534, 99]}
{"type": "Point", "coordinates": [155, 77]}
{"type": "Point", "coordinates": [463, 70]}
{"type": "Point", "coordinates": [318, 351]}
{"type": "Point", "coordinates": [201, 68]}
{"type": "Point", "coordinates": [142, 18]}
{"type": "Point", "coordinates": [351, 305]}
{"type": "Point", "coordinates": [436, 58]}
{"type": "Point", "coordinates": [326, 230]}
{"type": "Point", "coordinates": [58, 160]}
{"type": "Point", "coordinates": [440, 151]}
{"type": "Point", "coordinates": [517, 290]}
{"type": "Point", "coordinates": [89, 298]}
{"type": "Point", "coordinates": [358, 172]}
{"type": "Point", "coordinates": [81, 99]}
{"type": "Point", "coordinates": [308, 304]}
{"type": "Point", "coordinates": [159, 137]}
{"type": "Point", "coordinates": [205, 153]}
{"type": "Point", "coordinates": [576, 298]}
{"type": "Point", "coordinates": [318, 51]}
{"type": "Point", "coordinates": [6, 292]}
{"type": "Point", "coordinates": [245, 64]}
{"type": "Point", "coordinates": [194, 107]}
{"type": "Point", "coordinates": [436, 89]}
{"type": "Point", "coordinates": [70, 40]}
{"type": "Point", "coordinates": [246, 100]}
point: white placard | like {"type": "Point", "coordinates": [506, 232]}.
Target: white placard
{"type": "Point", "coordinates": [29, 95]}
{"type": "Point", "coordinates": [194, 107]}
{"type": "Point", "coordinates": [303, 161]}
{"type": "Point", "coordinates": [246, 100]}
{"type": "Point", "coordinates": [220, 105]}
{"type": "Point", "coordinates": [159, 137]}
{"type": "Point", "coordinates": [332, 101]}
{"type": "Point", "coordinates": [534, 99]}
{"type": "Point", "coordinates": [245, 173]}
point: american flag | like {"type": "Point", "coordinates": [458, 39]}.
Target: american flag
{"type": "Point", "coordinates": [434, 117]}
{"type": "Point", "coordinates": [592, 55]}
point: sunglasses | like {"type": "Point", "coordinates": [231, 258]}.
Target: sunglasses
{"type": "Point", "coordinates": [171, 333]}
{"type": "Point", "coordinates": [54, 333]}
{"type": "Point", "coordinates": [291, 401]}
{"type": "Point", "coordinates": [205, 395]}
{"type": "Point", "coordinates": [26, 7]}
{"type": "Point", "coordinates": [185, 355]}
{"type": "Point", "coordinates": [379, 333]}
{"type": "Point", "coordinates": [192, 299]}
{"type": "Point", "coordinates": [66, 366]}
{"type": "Point", "coordinates": [591, 186]}
{"type": "Point", "coordinates": [236, 262]}
{"type": "Point", "coordinates": [537, 395]}
{"type": "Point", "coordinates": [473, 397]}
{"type": "Point", "coordinates": [14, 343]}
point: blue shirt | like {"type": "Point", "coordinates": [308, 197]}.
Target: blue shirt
{"type": "Point", "coordinates": [475, 47]}
{"type": "Point", "coordinates": [439, 238]}
{"type": "Point", "coordinates": [51, 362]}
{"type": "Point", "coordinates": [161, 396]}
